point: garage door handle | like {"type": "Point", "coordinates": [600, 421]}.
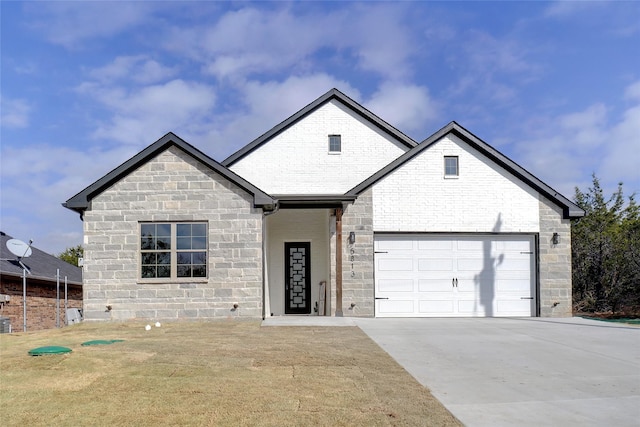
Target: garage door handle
{"type": "Point", "coordinates": [526, 297]}
{"type": "Point", "coordinates": [381, 298]}
{"type": "Point", "coordinates": [380, 252]}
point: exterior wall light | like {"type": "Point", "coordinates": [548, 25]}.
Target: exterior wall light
{"type": "Point", "coordinates": [352, 238]}
{"type": "Point", "coordinates": [555, 239]}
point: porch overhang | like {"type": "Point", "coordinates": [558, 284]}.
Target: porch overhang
{"type": "Point", "coordinates": [314, 201]}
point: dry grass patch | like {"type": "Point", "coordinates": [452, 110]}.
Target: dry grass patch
{"type": "Point", "coordinates": [209, 373]}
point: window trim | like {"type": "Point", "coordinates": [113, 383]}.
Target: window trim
{"type": "Point", "coordinates": [173, 277]}
{"type": "Point", "coordinates": [339, 151]}
{"type": "Point", "coordinates": [457, 172]}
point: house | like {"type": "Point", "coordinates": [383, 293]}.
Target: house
{"type": "Point", "coordinates": [332, 212]}
{"type": "Point", "coordinates": [45, 290]}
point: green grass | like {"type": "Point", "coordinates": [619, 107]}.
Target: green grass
{"type": "Point", "coordinates": [209, 373]}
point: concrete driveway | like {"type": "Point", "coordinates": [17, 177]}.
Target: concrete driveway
{"type": "Point", "coordinates": [521, 372]}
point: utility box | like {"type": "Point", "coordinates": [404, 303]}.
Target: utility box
{"type": "Point", "coordinates": [5, 325]}
{"type": "Point", "coordinates": [74, 315]}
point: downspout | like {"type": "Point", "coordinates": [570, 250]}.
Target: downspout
{"type": "Point", "coordinates": [265, 214]}
{"type": "Point", "coordinates": [339, 262]}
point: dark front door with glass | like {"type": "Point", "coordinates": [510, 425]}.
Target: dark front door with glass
{"type": "Point", "coordinates": [297, 287]}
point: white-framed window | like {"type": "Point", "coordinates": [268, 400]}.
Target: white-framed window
{"type": "Point", "coordinates": [173, 250]}
{"type": "Point", "coordinates": [335, 144]}
{"type": "Point", "coordinates": [451, 167]}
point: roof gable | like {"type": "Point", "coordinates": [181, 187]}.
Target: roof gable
{"type": "Point", "coordinates": [80, 202]}
{"type": "Point", "coordinates": [333, 94]}
{"type": "Point", "coordinates": [570, 209]}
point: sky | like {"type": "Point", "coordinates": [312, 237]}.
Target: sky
{"type": "Point", "coordinates": [554, 86]}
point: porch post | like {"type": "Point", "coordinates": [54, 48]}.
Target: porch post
{"type": "Point", "coordinates": [339, 262]}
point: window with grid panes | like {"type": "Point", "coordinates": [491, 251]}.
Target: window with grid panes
{"type": "Point", "coordinates": [173, 250]}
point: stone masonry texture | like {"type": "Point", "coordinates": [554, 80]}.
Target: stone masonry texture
{"type": "Point", "coordinates": [172, 187]}
{"type": "Point", "coordinates": [554, 262]}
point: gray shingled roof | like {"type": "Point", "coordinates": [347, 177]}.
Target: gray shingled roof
{"type": "Point", "coordinates": [80, 201]}
{"type": "Point", "coordinates": [570, 209]}
{"type": "Point", "coordinates": [333, 94]}
{"type": "Point", "coordinates": [42, 265]}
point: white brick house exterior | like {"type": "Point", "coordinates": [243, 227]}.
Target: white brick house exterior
{"type": "Point", "coordinates": [332, 212]}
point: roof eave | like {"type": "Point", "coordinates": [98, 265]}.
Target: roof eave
{"type": "Point", "coordinates": [80, 202]}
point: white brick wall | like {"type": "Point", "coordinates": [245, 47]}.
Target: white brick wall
{"type": "Point", "coordinates": [484, 198]}
{"type": "Point", "coordinates": [297, 161]}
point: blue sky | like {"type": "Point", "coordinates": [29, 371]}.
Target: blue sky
{"type": "Point", "coordinates": [555, 86]}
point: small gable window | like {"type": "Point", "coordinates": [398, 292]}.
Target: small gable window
{"type": "Point", "coordinates": [335, 144]}
{"type": "Point", "coordinates": [451, 166]}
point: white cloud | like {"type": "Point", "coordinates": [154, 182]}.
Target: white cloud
{"type": "Point", "coordinates": [15, 113]}
{"type": "Point", "coordinates": [622, 159]}
{"type": "Point", "coordinates": [633, 91]}
{"type": "Point", "coordinates": [38, 178]}
{"type": "Point", "coordinates": [252, 40]}
{"type": "Point", "coordinates": [139, 115]}
{"type": "Point", "coordinates": [138, 68]}
{"type": "Point", "coordinates": [571, 147]}
{"type": "Point", "coordinates": [405, 106]}
{"type": "Point", "coordinates": [492, 69]}
{"type": "Point", "coordinates": [72, 23]}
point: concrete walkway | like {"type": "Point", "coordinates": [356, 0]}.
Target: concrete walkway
{"type": "Point", "coordinates": [521, 372]}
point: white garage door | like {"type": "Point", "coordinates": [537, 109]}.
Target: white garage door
{"type": "Point", "coordinates": [461, 276]}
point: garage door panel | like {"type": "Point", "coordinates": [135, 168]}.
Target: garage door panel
{"type": "Point", "coordinates": [471, 244]}
{"type": "Point", "coordinates": [435, 245]}
{"type": "Point", "coordinates": [521, 286]}
{"type": "Point", "coordinates": [395, 285]}
{"type": "Point", "coordinates": [396, 307]}
{"type": "Point", "coordinates": [395, 264]}
{"type": "Point", "coordinates": [512, 245]}
{"type": "Point", "coordinates": [435, 285]}
{"type": "Point", "coordinates": [467, 285]}
{"type": "Point", "coordinates": [386, 244]}
{"type": "Point", "coordinates": [452, 275]}
{"type": "Point", "coordinates": [470, 307]}
{"type": "Point", "coordinates": [470, 265]}
{"type": "Point", "coordinates": [435, 306]}
{"type": "Point", "coordinates": [435, 264]}
{"type": "Point", "coordinates": [512, 307]}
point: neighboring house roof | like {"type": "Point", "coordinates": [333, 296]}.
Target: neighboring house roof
{"type": "Point", "coordinates": [80, 202]}
{"type": "Point", "coordinates": [570, 209]}
{"type": "Point", "coordinates": [333, 94]}
{"type": "Point", "coordinates": [42, 265]}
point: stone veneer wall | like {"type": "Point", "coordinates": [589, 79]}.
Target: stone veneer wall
{"type": "Point", "coordinates": [172, 187]}
{"type": "Point", "coordinates": [554, 262]}
{"type": "Point", "coordinates": [357, 259]}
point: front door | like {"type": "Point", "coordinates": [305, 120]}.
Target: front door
{"type": "Point", "coordinates": [297, 271]}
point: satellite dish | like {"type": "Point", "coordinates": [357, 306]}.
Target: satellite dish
{"type": "Point", "coordinates": [19, 248]}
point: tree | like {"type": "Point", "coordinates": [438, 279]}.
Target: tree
{"type": "Point", "coordinates": [71, 255]}
{"type": "Point", "coordinates": [606, 251]}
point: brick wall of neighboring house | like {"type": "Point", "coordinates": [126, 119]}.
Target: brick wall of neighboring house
{"type": "Point", "coordinates": [41, 303]}
{"type": "Point", "coordinates": [172, 187]}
